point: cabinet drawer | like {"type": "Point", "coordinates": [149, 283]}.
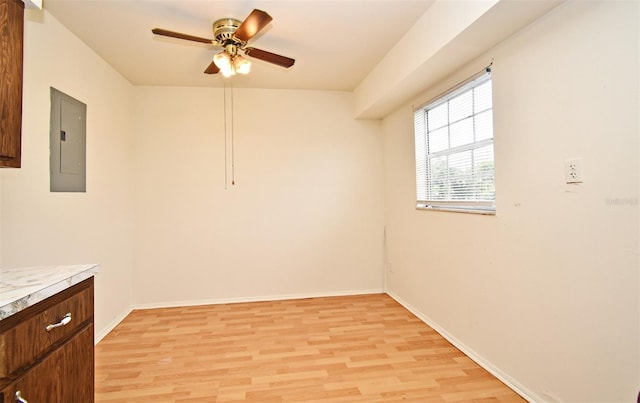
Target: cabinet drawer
{"type": "Point", "coordinates": [23, 342]}
{"type": "Point", "coordinates": [65, 376]}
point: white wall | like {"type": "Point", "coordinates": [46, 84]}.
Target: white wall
{"type": "Point", "coordinates": [304, 218]}
{"type": "Point", "coordinates": [545, 292]}
{"type": "Point", "coordinates": [43, 228]}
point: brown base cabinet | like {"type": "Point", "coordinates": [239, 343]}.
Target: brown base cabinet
{"type": "Point", "coordinates": [54, 365]}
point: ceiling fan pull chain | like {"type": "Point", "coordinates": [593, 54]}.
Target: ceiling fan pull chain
{"type": "Point", "coordinates": [224, 97]}
{"type": "Point", "coordinates": [233, 158]}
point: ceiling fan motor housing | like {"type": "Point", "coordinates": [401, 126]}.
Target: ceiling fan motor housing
{"type": "Point", "coordinates": [224, 30]}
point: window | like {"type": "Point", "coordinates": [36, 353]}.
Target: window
{"type": "Point", "coordinates": [454, 149]}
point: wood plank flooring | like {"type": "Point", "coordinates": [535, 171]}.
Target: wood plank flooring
{"type": "Point", "coordinates": [340, 349]}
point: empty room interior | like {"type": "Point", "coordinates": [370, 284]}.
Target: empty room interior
{"type": "Point", "coordinates": [299, 183]}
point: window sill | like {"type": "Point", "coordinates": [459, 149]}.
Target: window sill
{"type": "Point", "coordinates": [466, 210]}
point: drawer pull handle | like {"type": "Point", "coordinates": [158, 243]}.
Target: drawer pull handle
{"type": "Point", "coordinates": [19, 398]}
{"type": "Point", "coordinates": [65, 321]}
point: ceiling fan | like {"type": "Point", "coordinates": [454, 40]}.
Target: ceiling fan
{"type": "Point", "coordinates": [232, 35]}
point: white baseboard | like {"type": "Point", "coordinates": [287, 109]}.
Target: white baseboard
{"type": "Point", "coordinates": [478, 359]}
{"type": "Point", "coordinates": [107, 329]}
{"type": "Point", "coordinates": [234, 300]}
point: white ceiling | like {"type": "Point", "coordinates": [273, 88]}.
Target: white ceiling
{"type": "Point", "coordinates": [335, 43]}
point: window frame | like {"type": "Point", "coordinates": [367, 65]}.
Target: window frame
{"type": "Point", "coordinates": [422, 155]}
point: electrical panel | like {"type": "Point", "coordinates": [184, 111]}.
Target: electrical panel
{"type": "Point", "coordinates": [68, 143]}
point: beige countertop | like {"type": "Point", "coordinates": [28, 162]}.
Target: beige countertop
{"type": "Point", "coordinates": [22, 287]}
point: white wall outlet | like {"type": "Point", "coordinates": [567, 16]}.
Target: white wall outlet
{"type": "Point", "coordinates": [573, 170]}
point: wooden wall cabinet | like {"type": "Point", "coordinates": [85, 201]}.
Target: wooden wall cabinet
{"type": "Point", "coordinates": [55, 365]}
{"type": "Point", "coordinates": [11, 53]}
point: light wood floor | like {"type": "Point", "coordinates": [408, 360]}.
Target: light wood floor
{"type": "Point", "coordinates": [340, 349]}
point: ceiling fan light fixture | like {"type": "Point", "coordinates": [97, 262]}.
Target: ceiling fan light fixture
{"type": "Point", "coordinates": [224, 63]}
{"type": "Point", "coordinates": [241, 65]}
{"type": "Point", "coordinates": [231, 65]}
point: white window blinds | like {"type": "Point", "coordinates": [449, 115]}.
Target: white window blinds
{"type": "Point", "coordinates": [454, 149]}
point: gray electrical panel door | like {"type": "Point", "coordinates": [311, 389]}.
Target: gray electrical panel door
{"type": "Point", "coordinates": [68, 143]}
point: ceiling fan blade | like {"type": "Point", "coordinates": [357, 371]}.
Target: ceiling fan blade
{"type": "Point", "coordinates": [269, 57]}
{"type": "Point", "coordinates": [211, 69]}
{"type": "Point", "coordinates": [251, 25]}
{"type": "Point", "coordinates": [164, 32]}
